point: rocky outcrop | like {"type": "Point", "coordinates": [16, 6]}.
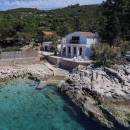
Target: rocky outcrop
{"type": "Point", "coordinates": [41, 72]}
{"type": "Point", "coordinates": [106, 81]}
{"type": "Point", "coordinates": [101, 93]}
{"type": "Point", "coordinates": [38, 71]}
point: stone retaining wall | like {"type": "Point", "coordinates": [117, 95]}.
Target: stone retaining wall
{"type": "Point", "coordinates": [13, 61]}
{"type": "Point", "coordinates": [19, 54]}
{"type": "Point", "coordinates": [29, 56]}
{"type": "Point", "coordinates": [65, 64]}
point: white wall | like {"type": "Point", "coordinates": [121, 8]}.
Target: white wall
{"type": "Point", "coordinates": [83, 38]}
{"type": "Point", "coordinates": [88, 51]}
{"type": "Point", "coordinates": [89, 41]}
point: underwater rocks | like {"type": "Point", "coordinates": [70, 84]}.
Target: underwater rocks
{"type": "Point", "coordinates": [102, 93]}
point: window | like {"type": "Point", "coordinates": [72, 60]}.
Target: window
{"type": "Point", "coordinates": [75, 40]}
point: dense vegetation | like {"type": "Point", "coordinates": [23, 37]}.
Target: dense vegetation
{"type": "Point", "coordinates": [115, 21]}
{"type": "Point", "coordinates": [111, 20]}
{"type": "Point", "coordinates": [21, 26]}
{"type": "Point", "coordinates": [114, 29]}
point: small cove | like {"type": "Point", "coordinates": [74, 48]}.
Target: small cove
{"type": "Point", "coordinates": [22, 107]}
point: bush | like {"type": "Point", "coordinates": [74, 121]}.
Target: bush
{"type": "Point", "coordinates": [105, 55]}
{"type": "Point", "coordinates": [124, 46]}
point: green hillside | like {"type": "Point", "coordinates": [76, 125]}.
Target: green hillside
{"type": "Point", "coordinates": [19, 26]}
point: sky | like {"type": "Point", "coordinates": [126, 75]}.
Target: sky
{"type": "Point", "coordinates": [43, 4]}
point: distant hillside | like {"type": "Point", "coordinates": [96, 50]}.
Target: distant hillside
{"type": "Point", "coordinates": [31, 21]}
{"type": "Point", "coordinates": [74, 18]}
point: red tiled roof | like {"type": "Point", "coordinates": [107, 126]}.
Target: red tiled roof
{"type": "Point", "coordinates": [87, 33]}
{"type": "Point", "coordinates": [48, 34]}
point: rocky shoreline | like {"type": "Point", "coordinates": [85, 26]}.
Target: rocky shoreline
{"type": "Point", "coordinates": [35, 71]}
{"type": "Point", "coordinates": [101, 93]}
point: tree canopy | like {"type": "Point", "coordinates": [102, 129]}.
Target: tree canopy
{"type": "Point", "coordinates": [115, 21]}
{"type": "Point", "coordinates": [18, 26]}
{"type": "Point", "coordinates": [111, 20]}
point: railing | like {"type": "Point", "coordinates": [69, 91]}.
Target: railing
{"type": "Point", "coordinates": [70, 44]}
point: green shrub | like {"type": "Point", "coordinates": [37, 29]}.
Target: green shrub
{"type": "Point", "coordinates": [124, 47]}
{"type": "Point", "coordinates": [105, 55]}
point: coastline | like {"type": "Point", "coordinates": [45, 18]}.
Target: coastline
{"type": "Point", "coordinates": [104, 96]}
{"type": "Point", "coordinates": [37, 71]}
{"type": "Point", "coordinates": [86, 88]}
{"type": "Point", "coordinates": [10, 72]}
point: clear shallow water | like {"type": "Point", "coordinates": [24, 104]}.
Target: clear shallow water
{"type": "Point", "coordinates": [24, 108]}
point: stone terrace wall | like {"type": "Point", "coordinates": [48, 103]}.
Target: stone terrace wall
{"type": "Point", "coordinates": [65, 64]}
{"type": "Point", "coordinates": [19, 57]}
{"type": "Point", "coordinates": [30, 60]}
{"type": "Point", "coordinates": [18, 54]}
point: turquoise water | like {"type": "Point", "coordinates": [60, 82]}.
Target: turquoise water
{"type": "Point", "coordinates": [22, 107]}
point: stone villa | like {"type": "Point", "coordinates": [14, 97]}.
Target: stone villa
{"type": "Point", "coordinates": [78, 45]}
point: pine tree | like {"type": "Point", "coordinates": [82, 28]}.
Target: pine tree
{"type": "Point", "coordinates": [110, 28]}
{"type": "Point", "coordinates": [115, 23]}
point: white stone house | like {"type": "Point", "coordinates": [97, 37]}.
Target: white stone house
{"type": "Point", "coordinates": [78, 44]}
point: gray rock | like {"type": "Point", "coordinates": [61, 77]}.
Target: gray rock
{"type": "Point", "coordinates": [89, 87]}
